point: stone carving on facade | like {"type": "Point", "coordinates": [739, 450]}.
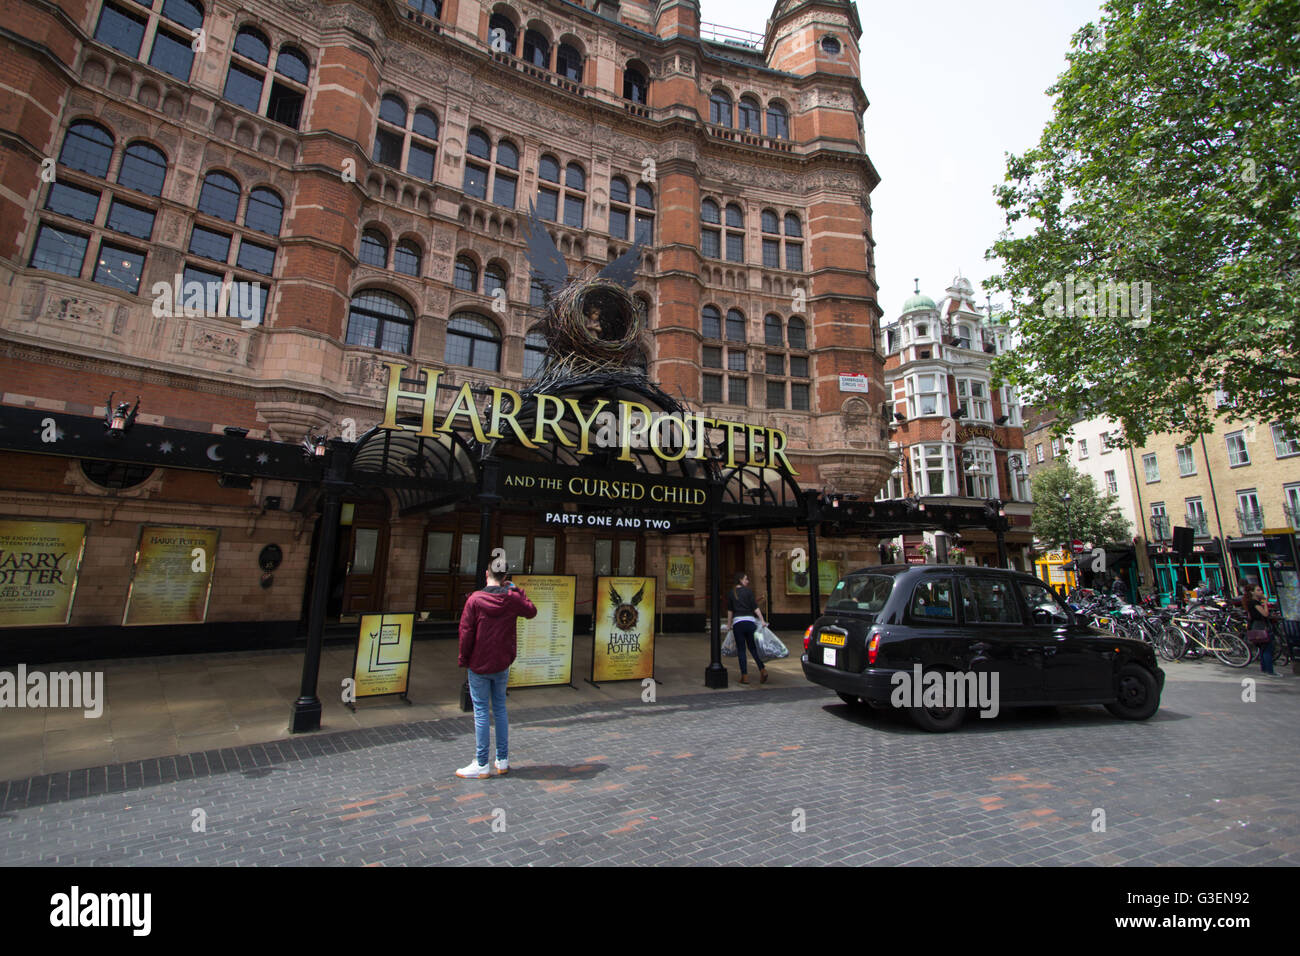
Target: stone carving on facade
{"type": "Point", "coordinates": [208, 340]}
{"type": "Point", "coordinates": [348, 17]}
{"type": "Point", "coordinates": [367, 372]}
{"type": "Point", "coordinates": [417, 65]}
{"type": "Point", "coordinates": [76, 310]}
{"type": "Point", "coordinates": [33, 300]}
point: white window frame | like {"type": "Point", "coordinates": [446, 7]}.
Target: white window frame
{"type": "Point", "coordinates": [915, 395]}
{"type": "Point", "coordinates": [983, 482]}
{"type": "Point", "coordinates": [1186, 456]}
{"type": "Point", "coordinates": [1251, 496]}
{"type": "Point", "coordinates": [1083, 448]}
{"type": "Point", "coordinates": [1284, 447]}
{"type": "Point", "coordinates": [1038, 452]}
{"type": "Point", "coordinates": [1151, 466]}
{"type": "Point", "coordinates": [1056, 448]}
{"type": "Point", "coordinates": [1291, 497]}
{"type": "Point", "coordinates": [1010, 405]}
{"type": "Point", "coordinates": [978, 409]}
{"type": "Point", "coordinates": [931, 459]}
{"type": "Point", "coordinates": [1240, 457]}
{"type": "Point", "coordinates": [1112, 483]}
{"type": "Point", "coordinates": [1021, 488]}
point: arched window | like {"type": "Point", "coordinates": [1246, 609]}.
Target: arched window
{"type": "Point", "coordinates": [710, 239]}
{"type": "Point", "coordinates": [219, 196]}
{"type": "Point", "coordinates": [771, 223]}
{"type": "Point", "coordinates": [575, 204]}
{"type": "Point", "coordinates": [772, 330]}
{"type": "Point", "coordinates": [173, 51]}
{"type": "Point", "coordinates": [265, 211]}
{"type": "Point", "coordinates": [406, 258]}
{"type": "Point", "coordinates": [374, 249]}
{"type": "Point", "coordinates": [380, 320]}
{"type": "Point", "coordinates": [537, 50]}
{"type": "Point", "coordinates": [425, 124]}
{"type": "Point", "coordinates": [502, 35]}
{"type": "Point", "coordinates": [720, 108]}
{"type": "Point", "coordinates": [796, 333]}
{"type": "Point", "coordinates": [750, 115]}
{"type": "Point", "coordinates": [465, 277]}
{"type": "Point", "coordinates": [620, 212]}
{"type": "Point", "coordinates": [792, 225]}
{"type": "Point", "coordinates": [536, 294]}
{"type": "Point", "coordinates": [143, 169]}
{"type": "Point", "coordinates": [87, 147]}
{"type": "Point", "coordinates": [711, 322]}
{"type": "Point", "coordinates": [793, 249]}
{"type": "Point", "coordinates": [243, 83]}
{"type": "Point", "coordinates": [548, 200]}
{"type": "Point", "coordinates": [635, 86]}
{"type": "Point", "coordinates": [778, 123]}
{"type": "Point", "coordinates": [473, 341]}
{"type": "Point", "coordinates": [476, 174]}
{"type": "Point", "coordinates": [292, 62]}
{"type": "Point", "coordinates": [253, 44]}
{"type": "Point", "coordinates": [735, 233]}
{"type": "Point", "coordinates": [735, 325]}
{"type": "Point", "coordinates": [568, 62]}
{"type": "Point", "coordinates": [392, 109]}
{"type": "Point", "coordinates": [534, 353]}
{"type": "Point", "coordinates": [494, 277]}
{"type": "Point", "coordinates": [504, 179]}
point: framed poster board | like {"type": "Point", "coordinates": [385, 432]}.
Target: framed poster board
{"type": "Point", "coordinates": [39, 565]}
{"type": "Point", "coordinates": [681, 572]}
{"type": "Point", "coordinates": [623, 646]}
{"type": "Point", "coordinates": [828, 574]}
{"type": "Point", "coordinates": [171, 580]}
{"type": "Point", "coordinates": [382, 664]}
{"type": "Point", "coordinates": [544, 653]}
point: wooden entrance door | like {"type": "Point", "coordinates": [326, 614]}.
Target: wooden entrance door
{"type": "Point", "coordinates": [365, 556]}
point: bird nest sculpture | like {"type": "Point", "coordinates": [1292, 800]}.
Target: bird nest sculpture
{"type": "Point", "coordinates": [591, 323]}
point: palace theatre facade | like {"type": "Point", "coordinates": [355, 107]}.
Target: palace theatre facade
{"type": "Point", "coordinates": [275, 222]}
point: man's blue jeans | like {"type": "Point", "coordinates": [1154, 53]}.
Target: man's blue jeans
{"type": "Point", "coordinates": [485, 689]}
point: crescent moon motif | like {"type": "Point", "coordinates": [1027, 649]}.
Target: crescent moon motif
{"type": "Point", "coordinates": [214, 452]}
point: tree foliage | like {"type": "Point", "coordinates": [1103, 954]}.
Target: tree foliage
{"type": "Point", "coordinates": [1093, 518]}
{"type": "Point", "coordinates": [1172, 159]}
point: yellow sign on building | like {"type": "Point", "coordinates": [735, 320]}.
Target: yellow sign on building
{"type": "Point", "coordinates": [624, 645]}
{"type": "Point", "coordinates": [39, 563]}
{"type": "Point", "coordinates": [681, 572]}
{"type": "Point", "coordinates": [172, 578]}
{"type": "Point", "coordinates": [383, 662]}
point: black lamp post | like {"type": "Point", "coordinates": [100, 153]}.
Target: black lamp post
{"type": "Point", "coordinates": [306, 712]}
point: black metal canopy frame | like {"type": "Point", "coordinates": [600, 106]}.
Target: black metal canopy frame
{"type": "Point", "coordinates": [426, 473]}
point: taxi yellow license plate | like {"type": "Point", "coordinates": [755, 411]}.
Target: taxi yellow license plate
{"type": "Point", "coordinates": [835, 640]}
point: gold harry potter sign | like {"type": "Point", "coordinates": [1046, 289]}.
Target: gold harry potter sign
{"type": "Point", "coordinates": [624, 425]}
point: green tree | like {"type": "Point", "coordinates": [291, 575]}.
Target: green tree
{"type": "Point", "coordinates": [1093, 518]}
{"type": "Point", "coordinates": [1172, 160]}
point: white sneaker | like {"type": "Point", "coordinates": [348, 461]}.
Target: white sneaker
{"type": "Point", "coordinates": [503, 767]}
{"type": "Point", "coordinates": [474, 770]}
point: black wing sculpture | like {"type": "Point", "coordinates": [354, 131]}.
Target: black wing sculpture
{"type": "Point", "coordinates": [623, 269]}
{"type": "Point", "coordinates": [548, 265]}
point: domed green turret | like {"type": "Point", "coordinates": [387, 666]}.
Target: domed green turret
{"type": "Point", "coordinates": [918, 301]}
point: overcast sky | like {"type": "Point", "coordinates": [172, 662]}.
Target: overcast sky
{"type": "Point", "coordinates": [953, 87]}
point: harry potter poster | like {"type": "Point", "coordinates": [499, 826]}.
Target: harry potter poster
{"type": "Point", "coordinates": [39, 562]}
{"type": "Point", "coordinates": [624, 645]}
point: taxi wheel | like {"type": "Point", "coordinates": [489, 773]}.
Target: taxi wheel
{"type": "Point", "coordinates": [937, 720]}
{"type": "Point", "coordinates": [853, 700]}
{"type": "Point", "coordinates": [1138, 694]}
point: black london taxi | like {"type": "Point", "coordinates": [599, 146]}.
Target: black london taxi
{"type": "Point", "coordinates": [940, 640]}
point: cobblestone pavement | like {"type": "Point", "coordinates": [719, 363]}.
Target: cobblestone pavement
{"type": "Point", "coordinates": [712, 779]}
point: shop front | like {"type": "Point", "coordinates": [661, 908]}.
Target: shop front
{"type": "Point", "coordinates": [1203, 565]}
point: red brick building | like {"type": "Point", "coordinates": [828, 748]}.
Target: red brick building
{"type": "Point", "coordinates": [361, 173]}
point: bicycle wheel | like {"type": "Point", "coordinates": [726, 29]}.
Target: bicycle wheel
{"type": "Point", "coordinates": [1172, 643]}
{"type": "Point", "coordinates": [1232, 649]}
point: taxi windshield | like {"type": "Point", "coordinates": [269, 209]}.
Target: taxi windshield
{"type": "Point", "coordinates": [863, 593]}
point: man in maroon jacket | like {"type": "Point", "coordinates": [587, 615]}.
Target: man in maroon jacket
{"type": "Point", "coordinates": [487, 648]}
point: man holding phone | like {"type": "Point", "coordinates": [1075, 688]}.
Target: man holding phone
{"type": "Point", "coordinates": [487, 648]}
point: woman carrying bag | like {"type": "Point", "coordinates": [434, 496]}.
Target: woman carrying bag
{"type": "Point", "coordinates": [742, 603]}
{"type": "Point", "coordinates": [1260, 633]}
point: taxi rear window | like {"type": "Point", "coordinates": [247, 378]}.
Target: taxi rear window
{"type": "Point", "coordinates": [863, 593]}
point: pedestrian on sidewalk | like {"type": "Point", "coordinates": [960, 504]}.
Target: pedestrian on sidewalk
{"type": "Point", "coordinates": [1257, 608]}
{"type": "Point", "coordinates": [487, 648]}
{"type": "Point", "coordinates": [742, 603]}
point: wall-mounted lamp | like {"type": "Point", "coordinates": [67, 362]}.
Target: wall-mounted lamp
{"type": "Point", "coordinates": [118, 420]}
{"type": "Point", "coordinates": [1003, 419]}
{"type": "Point", "coordinates": [314, 446]}
{"type": "Point", "coordinates": [899, 416]}
{"type": "Point", "coordinates": [234, 431]}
